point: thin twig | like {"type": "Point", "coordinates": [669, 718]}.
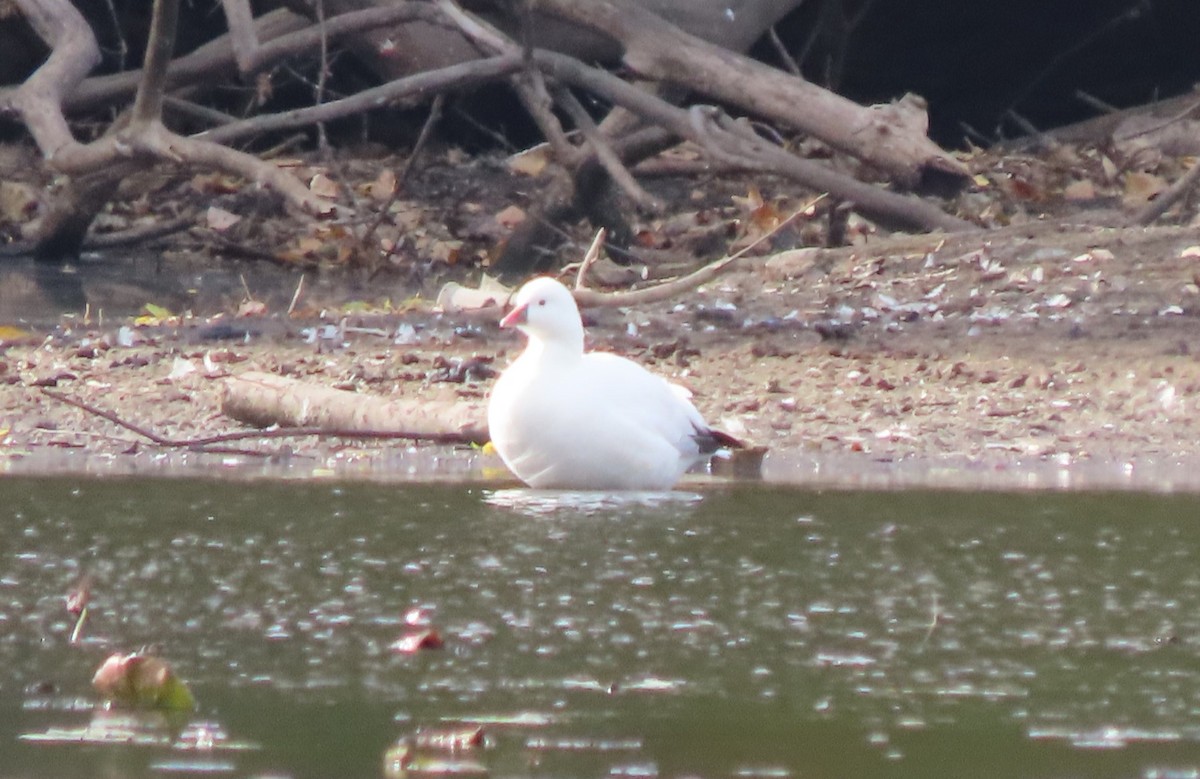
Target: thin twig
{"type": "Point", "coordinates": [122, 46]}
{"type": "Point", "coordinates": [530, 86]}
{"type": "Point", "coordinates": [136, 235]}
{"type": "Point", "coordinates": [781, 51]}
{"type": "Point", "coordinates": [442, 79]}
{"type": "Point", "coordinates": [935, 619]}
{"type": "Point", "coordinates": [296, 295]}
{"type": "Point", "coordinates": [1091, 101]}
{"type": "Point", "coordinates": [592, 254]}
{"type": "Point", "coordinates": [322, 76]}
{"type": "Point", "coordinates": [283, 432]}
{"type": "Point", "coordinates": [435, 114]}
{"type": "Point", "coordinates": [196, 111]}
{"type": "Point", "coordinates": [669, 289]}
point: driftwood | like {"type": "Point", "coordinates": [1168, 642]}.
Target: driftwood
{"type": "Point", "coordinates": [264, 399]}
{"type": "Point", "coordinates": [890, 139]}
{"type": "Point", "coordinates": [100, 165]}
{"type": "Point", "coordinates": [656, 49]}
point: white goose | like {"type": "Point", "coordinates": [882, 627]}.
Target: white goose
{"type": "Point", "coordinates": [568, 419]}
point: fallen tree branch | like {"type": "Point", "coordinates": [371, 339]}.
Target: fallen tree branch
{"type": "Point", "coordinates": [434, 81]}
{"type": "Point", "coordinates": [589, 298]}
{"type": "Point", "coordinates": [701, 126]}
{"type": "Point", "coordinates": [529, 86]}
{"type": "Point", "coordinates": [280, 33]}
{"type": "Point", "coordinates": [240, 21]}
{"type": "Point", "coordinates": [264, 399]}
{"type": "Point", "coordinates": [1161, 204]}
{"type": "Point", "coordinates": [73, 54]}
{"type": "Point", "coordinates": [604, 151]}
{"type": "Point", "coordinates": [660, 50]}
{"type": "Point", "coordinates": [207, 443]}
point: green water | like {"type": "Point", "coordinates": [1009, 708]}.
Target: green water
{"type": "Point", "coordinates": [743, 632]}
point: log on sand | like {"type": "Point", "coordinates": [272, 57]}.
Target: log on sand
{"type": "Point", "coordinates": [264, 399]}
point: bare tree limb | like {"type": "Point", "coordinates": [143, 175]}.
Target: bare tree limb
{"type": "Point", "coordinates": [1169, 197]}
{"type": "Point", "coordinates": [666, 290]}
{"type": "Point", "coordinates": [530, 88]}
{"type": "Point", "coordinates": [282, 34]}
{"type": "Point", "coordinates": [658, 49]}
{"type": "Point", "coordinates": [147, 106]}
{"type": "Point", "coordinates": [418, 85]}
{"type": "Point", "coordinates": [604, 151]}
{"type": "Point", "coordinates": [697, 125]}
{"type": "Point", "coordinates": [240, 21]}
{"type": "Point", "coordinates": [73, 54]}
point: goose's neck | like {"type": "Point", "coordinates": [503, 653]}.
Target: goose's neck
{"type": "Point", "coordinates": [562, 349]}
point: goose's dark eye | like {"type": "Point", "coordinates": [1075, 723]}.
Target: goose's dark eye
{"type": "Point", "coordinates": [542, 302]}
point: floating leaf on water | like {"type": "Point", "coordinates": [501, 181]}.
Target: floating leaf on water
{"type": "Point", "coordinates": [396, 760]}
{"type": "Point", "coordinates": [415, 642]}
{"type": "Point", "coordinates": [143, 681]}
{"type": "Point", "coordinates": [450, 740]}
{"type": "Point", "coordinates": [521, 719]}
{"type": "Point", "coordinates": [417, 617]}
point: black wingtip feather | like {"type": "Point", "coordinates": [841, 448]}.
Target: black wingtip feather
{"type": "Point", "coordinates": [710, 440]}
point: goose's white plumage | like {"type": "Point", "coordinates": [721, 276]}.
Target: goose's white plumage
{"type": "Point", "coordinates": [564, 418]}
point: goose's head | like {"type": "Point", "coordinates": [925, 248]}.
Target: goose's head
{"type": "Point", "coordinates": [545, 311]}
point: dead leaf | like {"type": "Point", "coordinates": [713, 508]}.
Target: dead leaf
{"type": "Point", "coordinates": [530, 162]}
{"type": "Point", "coordinates": [455, 297]}
{"type": "Point", "coordinates": [18, 202]}
{"type": "Point", "coordinates": [1080, 190]}
{"type": "Point", "coordinates": [142, 680]}
{"type": "Point", "coordinates": [216, 184]}
{"type": "Point", "coordinates": [221, 220]}
{"type": "Point", "coordinates": [384, 185]}
{"type": "Point", "coordinates": [450, 740]}
{"type": "Point", "coordinates": [444, 251]}
{"type": "Point", "coordinates": [323, 186]}
{"type": "Point", "coordinates": [263, 88]}
{"type": "Point", "coordinates": [411, 643]}
{"type": "Point", "coordinates": [1142, 187]}
{"type": "Point", "coordinates": [252, 308]}
{"type": "Point", "coordinates": [510, 217]}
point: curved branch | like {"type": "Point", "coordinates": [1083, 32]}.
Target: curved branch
{"type": "Point", "coordinates": [421, 84]}
{"type": "Point", "coordinates": [878, 203]}
{"type": "Point", "coordinates": [147, 106]}
{"type": "Point", "coordinates": [73, 54]}
{"type": "Point", "coordinates": [280, 39]}
{"type": "Point", "coordinates": [660, 50]}
{"type": "Point", "coordinates": [588, 298]}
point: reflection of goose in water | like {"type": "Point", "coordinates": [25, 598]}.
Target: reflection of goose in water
{"type": "Point", "coordinates": [556, 503]}
{"type": "Point", "coordinates": [561, 417]}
